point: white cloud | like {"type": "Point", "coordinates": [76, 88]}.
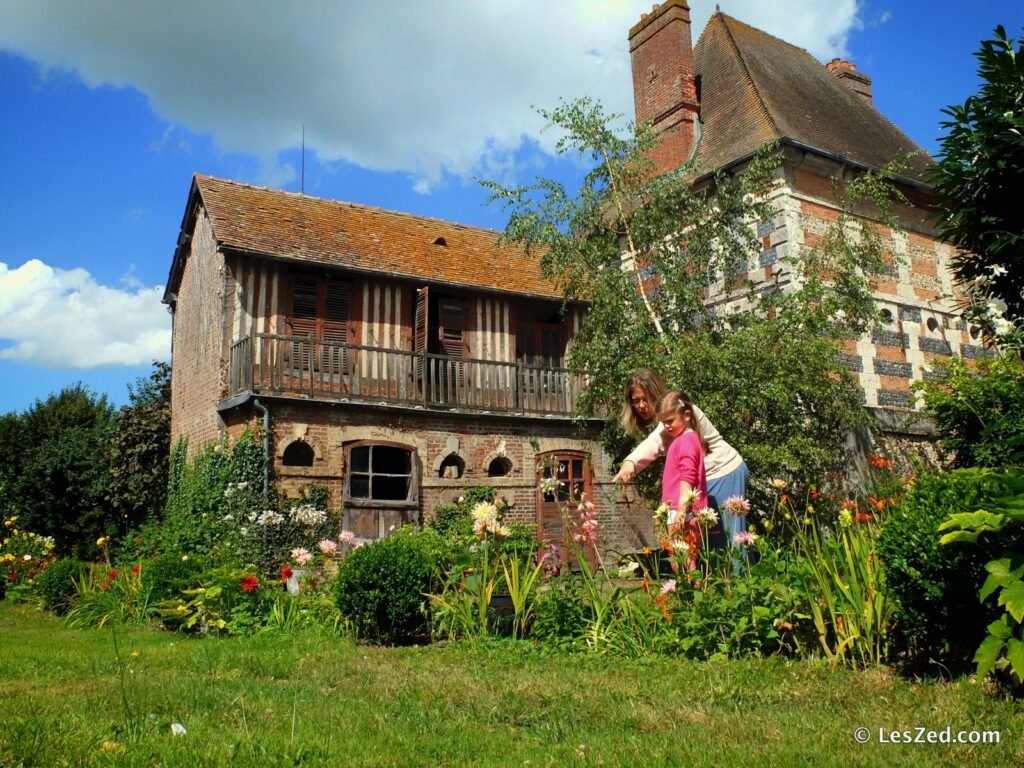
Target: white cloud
{"type": "Point", "coordinates": [65, 319]}
{"type": "Point", "coordinates": [419, 87]}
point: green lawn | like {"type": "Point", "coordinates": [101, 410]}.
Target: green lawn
{"type": "Point", "coordinates": [312, 700]}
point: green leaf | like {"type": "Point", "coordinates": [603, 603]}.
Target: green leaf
{"type": "Point", "coordinates": [1012, 597]}
{"type": "Point", "coordinates": [967, 536]}
{"type": "Point", "coordinates": [991, 585]}
{"type": "Point", "coordinates": [988, 653]}
{"type": "Point", "coordinates": [978, 521]}
{"type": "Point", "coordinates": [1015, 655]}
{"type": "Point", "coordinates": [999, 628]}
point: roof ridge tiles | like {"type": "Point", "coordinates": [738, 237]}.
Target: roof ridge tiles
{"type": "Point", "coordinates": [349, 203]}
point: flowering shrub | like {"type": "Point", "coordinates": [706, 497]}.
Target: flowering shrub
{"type": "Point", "coordinates": [23, 556]}
{"type": "Point", "coordinates": [230, 601]}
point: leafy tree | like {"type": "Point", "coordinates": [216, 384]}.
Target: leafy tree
{"type": "Point", "coordinates": [979, 177]}
{"type": "Point", "coordinates": [140, 448]}
{"type": "Point", "coordinates": [61, 484]}
{"type": "Point", "coordinates": [647, 253]}
{"type": "Point", "coordinates": [11, 448]}
{"type": "Point", "coordinates": [978, 410]}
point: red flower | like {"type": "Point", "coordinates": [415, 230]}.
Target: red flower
{"type": "Point", "coordinates": [136, 569]}
{"type": "Point", "coordinates": [249, 584]}
{"type": "Point", "coordinates": [106, 585]}
{"type": "Point", "coordinates": [286, 572]}
{"type": "Point", "coordinates": [863, 517]}
{"type": "Point", "coordinates": [815, 495]}
{"type": "Point", "coordinates": [878, 504]}
{"type": "Point", "coordinates": [112, 575]}
{"type": "Point", "coordinates": [849, 504]}
{"type": "Point", "coordinates": [13, 576]}
{"type": "Point", "coordinates": [878, 462]}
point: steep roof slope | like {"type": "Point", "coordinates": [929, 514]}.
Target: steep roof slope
{"type": "Point", "coordinates": [288, 225]}
{"type": "Point", "coordinates": [755, 87]}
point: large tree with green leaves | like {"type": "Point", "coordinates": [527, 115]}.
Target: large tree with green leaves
{"type": "Point", "coordinates": [658, 259]}
{"type": "Point", "coordinates": [140, 448]}
{"type": "Point", "coordinates": [979, 179]}
{"type": "Point", "coordinates": [61, 480]}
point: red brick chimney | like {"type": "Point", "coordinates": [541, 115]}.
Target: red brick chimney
{"type": "Point", "coordinates": [664, 87]}
{"type": "Point", "coordinates": [848, 75]}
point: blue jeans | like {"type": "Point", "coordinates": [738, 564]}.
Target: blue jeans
{"type": "Point", "coordinates": [720, 489]}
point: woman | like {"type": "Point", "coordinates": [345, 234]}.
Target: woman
{"type": "Point", "coordinates": [726, 471]}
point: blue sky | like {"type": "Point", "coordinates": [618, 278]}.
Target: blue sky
{"type": "Point", "coordinates": [110, 107]}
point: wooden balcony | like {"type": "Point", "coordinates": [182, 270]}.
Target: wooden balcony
{"type": "Point", "coordinates": [332, 371]}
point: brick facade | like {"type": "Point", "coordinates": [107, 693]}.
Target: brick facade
{"type": "Point", "coordinates": [475, 439]}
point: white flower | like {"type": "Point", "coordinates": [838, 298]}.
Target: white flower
{"type": "Point", "coordinates": [707, 517]}
{"type": "Point", "coordinates": [672, 517]}
{"type": "Point", "coordinates": [997, 269]}
{"type": "Point", "coordinates": [269, 517]}
{"type": "Point", "coordinates": [627, 570]}
{"type": "Point", "coordinates": [996, 307]}
{"type": "Point", "coordinates": [668, 587]}
{"type": "Point", "coordinates": [347, 537]}
{"type": "Point", "coordinates": [484, 510]}
{"type": "Point", "coordinates": [178, 729]}
{"type": "Point", "coordinates": [687, 499]}
{"type": "Point", "coordinates": [777, 484]}
{"type": "Point", "coordinates": [1002, 326]}
{"type": "Point", "coordinates": [307, 514]}
{"type": "Point", "coordinates": [680, 548]}
{"type": "Point", "coordinates": [26, 558]}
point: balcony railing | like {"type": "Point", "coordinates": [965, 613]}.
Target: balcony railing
{"type": "Point", "coordinates": [329, 370]}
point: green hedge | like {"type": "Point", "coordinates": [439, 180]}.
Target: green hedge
{"type": "Point", "coordinates": [381, 588]}
{"type": "Point", "coordinates": [934, 587]}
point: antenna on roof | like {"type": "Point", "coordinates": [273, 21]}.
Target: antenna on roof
{"type": "Point", "coordinates": [302, 177]}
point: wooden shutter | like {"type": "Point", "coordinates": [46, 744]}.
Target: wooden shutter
{"type": "Point", "coordinates": [453, 324]}
{"type": "Point", "coordinates": [334, 330]}
{"type": "Point", "coordinates": [303, 318]}
{"type": "Point", "coordinates": [419, 336]}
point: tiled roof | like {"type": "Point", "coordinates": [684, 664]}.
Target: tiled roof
{"type": "Point", "coordinates": [358, 237]}
{"type": "Point", "coordinates": [756, 87]}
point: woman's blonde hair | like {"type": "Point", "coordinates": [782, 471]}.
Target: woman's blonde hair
{"type": "Point", "coordinates": [653, 388]}
{"type": "Point", "coordinates": [678, 402]}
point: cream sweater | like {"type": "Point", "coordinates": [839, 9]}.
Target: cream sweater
{"type": "Point", "coordinates": [720, 460]}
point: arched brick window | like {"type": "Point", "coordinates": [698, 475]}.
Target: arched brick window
{"type": "Point", "coordinates": [571, 471]}
{"type": "Point", "coordinates": [381, 474]}
{"type": "Point", "coordinates": [298, 454]}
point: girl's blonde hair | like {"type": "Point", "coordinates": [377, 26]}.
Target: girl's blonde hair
{"type": "Point", "coordinates": [653, 388]}
{"type": "Point", "coordinates": [678, 402]}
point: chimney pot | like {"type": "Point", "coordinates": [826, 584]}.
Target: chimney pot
{"type": "Point", "coordinates": [848, 75]}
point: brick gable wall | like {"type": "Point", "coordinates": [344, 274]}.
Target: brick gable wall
{"type": "Point", "coordinates": [198, 350]}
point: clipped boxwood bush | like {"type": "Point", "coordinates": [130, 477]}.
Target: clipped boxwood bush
{"type": "Point", "coordinates": [380, 588]}
{"type": "Point", "coordinates": [55, 586]}
{"type": "Point", "coordinates": [935, 587]}
{"type": "Point", "coordinates": [166, 575]}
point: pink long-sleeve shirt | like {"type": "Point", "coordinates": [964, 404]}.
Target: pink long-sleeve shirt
{"type": "Point", "coordinates": [684, 462]}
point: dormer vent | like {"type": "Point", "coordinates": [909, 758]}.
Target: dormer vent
{"type": "Point", "coordinates": [440, 241]}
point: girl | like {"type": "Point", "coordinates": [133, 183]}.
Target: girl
{"type": "Point", "coordinates": [684, 464]}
